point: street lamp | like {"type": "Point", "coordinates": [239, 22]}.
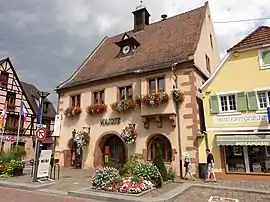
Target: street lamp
{"type": "Point", "coordinates": [178, 122]}
{"type": "Point", "coordinates": [42, 95]}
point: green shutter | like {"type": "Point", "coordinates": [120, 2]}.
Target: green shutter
{"type": "Point", "coordinates": [252, 101]}
{"type": "Point", "coordinates": [241, 101]}
{"type": "Point", "coordinates": [266, 58]}
{"type": "Point", "coordinates": [214, 108]}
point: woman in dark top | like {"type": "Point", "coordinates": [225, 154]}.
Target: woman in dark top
{"type": "Point", "coordinates": [210, 166]}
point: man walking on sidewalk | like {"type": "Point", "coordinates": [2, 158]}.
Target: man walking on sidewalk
{"type": "Point", "coordinates": [210, 166]}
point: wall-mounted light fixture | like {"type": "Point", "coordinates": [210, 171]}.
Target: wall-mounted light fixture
{"type": "Point", "coordinates": [74, 132]}
{"type": "Point", "coordinates": [87, 129]}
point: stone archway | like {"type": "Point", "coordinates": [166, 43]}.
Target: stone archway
{"type": "Point", "coordinates": [112, 142]}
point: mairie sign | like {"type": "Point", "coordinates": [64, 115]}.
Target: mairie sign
{"type": "Point", "coordinates": [240, 118]}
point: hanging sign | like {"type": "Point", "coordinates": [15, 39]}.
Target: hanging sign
{"type": "Point", "coordinates": [44, 163]}
{"type": "Point", "coordinates": [11, 138]}
{"type": "Point", "coordinates": [268, 114]}
{"type": "Point", "coordinates": [110, 121]}
{"type": "Point", "coordinates": [57, 124]}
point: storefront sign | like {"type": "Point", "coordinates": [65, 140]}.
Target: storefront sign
{"type": "Point", "coordinates": [11, 138]}
{"type": "Point", "coordinates": [252, 143]}
{"type": "Point", "coordinates": [44, 163]}
{"type": "Point", "coordinates": [110, 121]}
{"type": "Point", "coordinates": [240, 118]}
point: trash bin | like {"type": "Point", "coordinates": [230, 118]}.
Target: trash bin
{"type": "Point", "coordinates": [202, 170]}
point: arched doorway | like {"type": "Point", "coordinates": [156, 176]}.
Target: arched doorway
{"type": "Point", "coordinates": [165, 145]}
{"type": "Point", "coordinates": [113, 150]}
{"type": "Point", "coordinates": [75, 157]}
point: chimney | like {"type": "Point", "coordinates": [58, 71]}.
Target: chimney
{"type": "Point", "coordinates": [141, 18]}
{"type": "Point", "coordinates": [164, 17]}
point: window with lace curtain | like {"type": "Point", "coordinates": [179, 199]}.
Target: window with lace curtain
{"type": "Point", "coordinates": [125, 93]}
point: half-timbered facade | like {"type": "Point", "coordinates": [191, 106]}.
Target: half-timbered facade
{"type": "Point", "coordinates": [13, 92]}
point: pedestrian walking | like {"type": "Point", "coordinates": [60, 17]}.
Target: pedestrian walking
{"type": "Point", "coordinates": [210, 166]}
{"type": "Point", "coordinates": [187, 166]}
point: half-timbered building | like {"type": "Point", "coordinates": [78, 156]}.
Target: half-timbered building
{"type": "Point", "coordinates": [13, 92]}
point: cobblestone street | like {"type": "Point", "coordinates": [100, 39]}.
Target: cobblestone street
{"type": "Point", "coordinates": [198, 194]}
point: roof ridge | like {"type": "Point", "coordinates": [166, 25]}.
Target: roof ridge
{"type": "Point", "coordinates": [160, 21]}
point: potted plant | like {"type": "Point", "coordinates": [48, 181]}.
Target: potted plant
{"type": "Point", "coordinates": [155, 99]}
{"type": "Point", "coordinates": [129, 134]}
{"type": "Point", "coordinates": [124, 105]}
{"type": "Point", "coordinates": [81, 139]}
{"type": "Point", "coordinates": [96, 109]}
{"type": "Point", "coordinates": [178, 96]}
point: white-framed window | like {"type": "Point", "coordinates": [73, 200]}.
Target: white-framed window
{"type": "Point", "coordinates": [263, 99]}
{"type": "Point", "coordinates": [264, 58]}
{"type": "Point", "coordinates": [227, 103]}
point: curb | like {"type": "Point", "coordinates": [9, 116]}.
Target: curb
{"type": "Point", "coordinates": [265, 192]}
{"type": "Point", "coordinates": [25, 186]}
{"type": "Point", "coordinates": [170, 196]}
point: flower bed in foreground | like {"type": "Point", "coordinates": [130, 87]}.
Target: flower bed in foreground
{"type": "Point", "coordinates": [129, 186]}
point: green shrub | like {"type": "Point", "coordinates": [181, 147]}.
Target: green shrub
{"type": "Point", "coordinates": [12, 167]}
{"type": "Point", "coordinates": [159, 163]}
{"type": "Point", "coordinates": [129, 167]}
{"type": "Point", "coordinates": [148, 172]}
{"type": "Point", "coordinates": [171, 174]}
{"type": "Point", "coordinates": [16, 153]}
{"type": "Point", "coordinates": [104, 177]}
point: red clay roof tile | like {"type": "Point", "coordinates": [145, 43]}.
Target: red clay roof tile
{"type": "Point", "coordinates": [173, 39]}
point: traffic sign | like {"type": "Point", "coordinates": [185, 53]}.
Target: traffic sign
{"type": "Point", "coordinates": [41, 134]}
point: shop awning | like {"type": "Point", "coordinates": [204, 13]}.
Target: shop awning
{"type": "Point", "coordinates": [48, 140]}
{"type": "Point", "coordinates": [243, 139]}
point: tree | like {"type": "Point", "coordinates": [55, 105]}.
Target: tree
{"type": "Point", "coordinates": [159, 163]}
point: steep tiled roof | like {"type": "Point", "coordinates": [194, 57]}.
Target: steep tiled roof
{"type": "Point", "coordinates": [32, 94]}
{"type": "Point", "coordinates": [161, 43]}
{"type": "Point", "coordinates": [259, 36]}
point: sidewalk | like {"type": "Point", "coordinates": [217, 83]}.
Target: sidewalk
{"type": "Point", "coordinates": [78, 181]}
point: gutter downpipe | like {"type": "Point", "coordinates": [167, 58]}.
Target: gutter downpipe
{"type": "Point", "coordinates": [178, 124]}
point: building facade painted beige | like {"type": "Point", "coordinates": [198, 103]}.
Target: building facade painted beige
{"type": "Point", "coordinates": [152, 123]}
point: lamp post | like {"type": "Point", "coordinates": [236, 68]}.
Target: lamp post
{"type": "Point", "coordinates": [178, 123]}
{"type": "Point", "coordinates": [42, 95]}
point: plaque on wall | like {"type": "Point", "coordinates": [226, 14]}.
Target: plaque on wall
{"type": "Point", "coordinates": [110, 121]}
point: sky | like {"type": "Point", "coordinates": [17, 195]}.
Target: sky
{"type": "Point", "coordinates": [47, 40]}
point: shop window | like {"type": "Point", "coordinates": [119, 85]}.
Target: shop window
{"type": "Point", "coordinates": [46, 122]}
{"type": "Point", "coordinates": [20, 144]}
{"type": "Point", "coordinates": [125, 93]}
{"type": "Point", "coordinates": [258, 161]}
{"type": "Point", "coordinates": [227, 103]}
{"type": "Point", "coordinates": [46, 107]}
{"type": "Point", "coordinates": [99, 97]}
{"type": "Point", "coordinates": [156, 85]}
{"type": "Point", "coordinates": [263, 98]}
{"type": "Point", "coordinates": [75, 101]}
{"type": "Point", "coordinates": [264, 59]}
{"type": "Point", "coordinates": [165, 145]}
{"type": "Point", "coordinates": [235, 159]}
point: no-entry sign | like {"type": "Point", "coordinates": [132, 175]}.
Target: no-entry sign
{"type": "Point", "coordinates": [41, 134]}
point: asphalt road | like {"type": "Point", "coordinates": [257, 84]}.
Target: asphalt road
{"type": "Point", "coordinates": [16, 195]}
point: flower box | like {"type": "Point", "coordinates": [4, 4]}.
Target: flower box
{"type": "Point", "coordinates": [155, 99]}
{"type": "Point", "coordinates": [73, 111]}
{"type": "Point", "coordinates": [124, 105]}
{"type": "Point", "coordinates": [96, 109]}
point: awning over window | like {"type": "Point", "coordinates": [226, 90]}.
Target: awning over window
{"type": "Point", "coordinates": [48, 140]}
{"type": "Point", "coordinates": [243, 140]}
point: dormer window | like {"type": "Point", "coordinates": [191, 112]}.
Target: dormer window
{"type": "Point", "coordinates": [127, 45]}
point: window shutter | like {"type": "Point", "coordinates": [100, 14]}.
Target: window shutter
{"type": "Point", "coordinates": [144, 154]}
{"type": "Point", "coordinates": [241, 101]}
{"type": "Point", "coordinates": [266, 58]}
{"type": "Point", "coordinates": [252, 101]}
{"type": "Point", "coordinates": [214, 109]}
